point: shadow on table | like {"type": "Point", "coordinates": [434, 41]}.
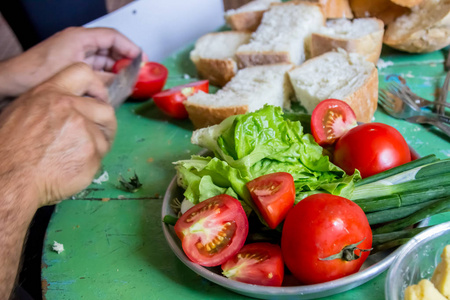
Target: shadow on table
{"type": "Point", "coordinates": [150, 111]}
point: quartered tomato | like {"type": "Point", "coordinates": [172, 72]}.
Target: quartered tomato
{"type": "Point", "coordinates": [170, 101]}
{"type": "Point", "coordinates": [371, 148]}
{"type": "Point", "coordinates": [151, 79]}
{"type": "Point", "coordinates": [331, 119]}
{"type": "Point", "coordinates": [274, 195]}
{"type": "Point", "coordinates": [257, 263]}
{"type": "Point", "coordinates": [213, 231]}
{"type": "Point", "coordinates": [325, 237]}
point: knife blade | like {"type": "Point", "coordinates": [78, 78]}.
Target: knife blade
{"type": "Point", "coordinates": [123, 84]}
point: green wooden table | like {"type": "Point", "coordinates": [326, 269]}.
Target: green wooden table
{"type": "Point", "coordinates": [113, 240]}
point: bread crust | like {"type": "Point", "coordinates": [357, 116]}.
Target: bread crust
{"type": "Point", "coordinates": [407, 3]}
{"type": "Point", "coordinates": [364, 101]}
{"type": "Point", "coordinates": [217, 71]}
{"type": "Point", "coordinates": [368, 46]}
{"type": "Point", "coordinates": [204, 116]}
{"type": "Point", "coordinates": [426, 39]}
{"type": "Point", "coordinates": [334, 9]}
{"type": "Point", "coordinates": [245, 21]}
{"type": "Point", "coordinates": [249, 59]}
{"type": "Point", "coordinates": [385, 10]}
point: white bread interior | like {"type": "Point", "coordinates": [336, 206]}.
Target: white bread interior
{"type": "Point", "coordinates": [281, 36]}
{"type": "Point", "coordinates": [363, 36]}
{"type": "Point", "coordinates": [425, 29]}
{"type": "Point", "coordinates": [248, 16]}
{"type": "Point", "coordinates": [214, 55]}
{"type": "Point", "coordinates": [339, 75]}
{"type": "Point", "coordinates": [248, 91]}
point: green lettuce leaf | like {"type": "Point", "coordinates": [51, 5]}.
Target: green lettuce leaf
{"type": "Point", "coordinates": [251, 145]}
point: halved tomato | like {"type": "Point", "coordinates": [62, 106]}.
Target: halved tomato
{"type": "Point", "coordinates": [170, 101]}
{"type": "Point", "coordinates": [151, 79]}
{"type": "Point", "coordinates": [213, 231]}
{"type": "Point", "coordinates": [257, 263]}
{"type": "Point", "coordinates": [330, 120]}
{"type": "Point", "coordinates": [274, 195]}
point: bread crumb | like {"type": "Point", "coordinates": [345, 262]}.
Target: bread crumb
{"type": "Point", "coordinates": [57, 247]}
{"type": "Point", "coordinates": [150, 160]}
{"type": "Point", "coordinates": [105, 199]}
{"type": "Point", "coordinates": [384, 64]}
{"type": "Point", "coordinates": [186, 76]}
{"type": "Point", "coordinates": [103, 178]}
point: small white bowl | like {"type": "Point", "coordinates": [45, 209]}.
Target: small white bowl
{"type": "Point", "coordinates": [416, 260]}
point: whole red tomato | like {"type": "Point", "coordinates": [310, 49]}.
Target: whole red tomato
{"type": "Point", "coordinates": [213, 231]}
{"type": "Point", "coordinates": [151, 79]}
{"type": "Point", "coordinates": [322, 238]}
{"type": "Point", "coordinates": [170, 101]}
{"type": "Point", "coordinates": [371, 148]}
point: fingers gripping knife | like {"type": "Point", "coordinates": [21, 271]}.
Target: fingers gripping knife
{"type": "Point", "coordinates": [123, 83]}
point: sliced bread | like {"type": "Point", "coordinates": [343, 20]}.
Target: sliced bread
{"type": "Point", "coordinates": [339, 75]}
{"type": "Point", "coordinates": [408, 3]}
{"type": "Point", "coordinates": [214, 55]}
{"type": "Point", "coordinates": [425, 29]}
{"type": "Point", "coordinates": [248, 17]}
{"type": "Point", "coordinates": [335, 9]}
{"type": "Point", "coordinates": [363, 36]}
{"type": "Point", "coordinates": [385, 10]}
{"type": "Point", "coordinates": [282, 34]}
{"type": "Point", "coordinates": [249, 90]}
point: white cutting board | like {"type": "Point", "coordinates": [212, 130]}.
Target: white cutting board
{"type": "Point", "coordinates": [160, 27]}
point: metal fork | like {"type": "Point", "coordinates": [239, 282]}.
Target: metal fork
{"type": "Point", "coordinates": [397, 108]}
{"type": "Point", "coordinates": [395, 105]}
{"type": "Point", "coordinates": [404, 92]}
{"type": "Point", "coordinates": [442, 100]}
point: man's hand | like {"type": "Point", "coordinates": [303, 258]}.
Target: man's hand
{"type": "Point", "coordinates": [98, 47]}
{"type": "Point", "coordinates": [53, 139]}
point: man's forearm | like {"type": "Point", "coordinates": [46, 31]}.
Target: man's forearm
{"type": "Point", "coordinates": [16, 213]}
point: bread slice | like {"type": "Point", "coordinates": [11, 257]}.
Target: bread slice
{"type": "Point", "coordinates": [282, 34]}
{"type": "Point", "coordinates": [425, 29]}
{"type": "Point", "coordinates": [340, 75]}
{"type": "Point", "coordinates": [335, 9]}
{"type": "Point", "coordinates": [385, 10]}
{"type": "Point", "coordinates": [248, 17]}
{"type": "Point", "coordinates": [214, 57]}
{"type": "Point", "coordinates": [248, 91]}
{"type": "Point", "coordinates": [363, 36]}
{"type": "Point", "coordinates": [407, 3]}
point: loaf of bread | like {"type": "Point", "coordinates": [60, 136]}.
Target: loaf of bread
{"type": "Point", "coordinates": [214, 55]}
{"type": "Point", "coordinates": [425, 29]}
{"type": "Point", "coordinates": [281, 36]}
{"type": "Point", "coordinates": [363, 36]}
{"type": "Point", "coordinates": [248, 91]}
{"type": "Point", "coordinates": [408, 3]}
{"type": "Point", "coordinates": [385, 10]}
{"type": "Point", "coordinates": [340, 75]}
{"type": "Point", "coordinates": [335, 9]}
{"type": "Point", "coordinates": [248, 17]}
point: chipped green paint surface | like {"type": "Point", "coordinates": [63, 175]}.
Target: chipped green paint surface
{"type": "Point", "coordinates": [116, 249]}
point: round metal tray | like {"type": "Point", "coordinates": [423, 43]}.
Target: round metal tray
{"type": "Point", "coordinates": [373, 266]}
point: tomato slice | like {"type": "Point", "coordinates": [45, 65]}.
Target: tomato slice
{"type": "Point", "coordinates": [213, 231]}
{"type": "Point", "coordinates": [325, 237]}
{"type": "Point", "coordinates": [151, 79]}
{"type": "Point", "coordinates": [274, 195]}
{"type": "Point", "coordinates": [330, 120]}
{"type": "Point", "coordinates": [257, 263]}
{"type": "Point", "coordinates": [170, 101]}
